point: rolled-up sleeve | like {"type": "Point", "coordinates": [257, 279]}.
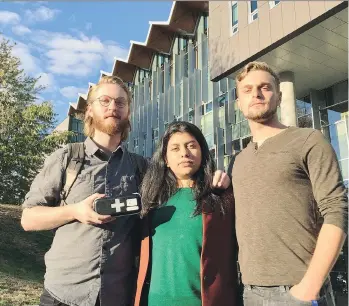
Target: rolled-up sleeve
{"type": "Point", "coordinates": [325, 175]}
{"type": "Point", "coordinates": [46, 187]}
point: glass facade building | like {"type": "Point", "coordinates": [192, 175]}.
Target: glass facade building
{"type": "Point", "coordinates": [178, 87]}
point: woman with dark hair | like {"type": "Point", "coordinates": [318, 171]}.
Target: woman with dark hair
{"type": "Point", "coordinates": [188, 247]}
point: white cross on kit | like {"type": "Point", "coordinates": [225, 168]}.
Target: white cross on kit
{"type": "Point", "coordinates": [117, 205]}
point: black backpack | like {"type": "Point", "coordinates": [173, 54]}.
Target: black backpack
{"type": "Point", "coordinates": [75, 161]}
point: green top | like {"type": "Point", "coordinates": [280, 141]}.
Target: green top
{"type": "Point", "coordinates": [176, 252]}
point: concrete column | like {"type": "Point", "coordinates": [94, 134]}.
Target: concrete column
{"type": "Point", "coordinates": [288, 102]}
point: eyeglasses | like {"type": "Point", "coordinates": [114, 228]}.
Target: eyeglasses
{"type": "Point", "coordinates": [106, 100]}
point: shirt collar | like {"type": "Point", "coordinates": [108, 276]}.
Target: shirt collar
{"type": "Point", "coordinates": [92, 148]}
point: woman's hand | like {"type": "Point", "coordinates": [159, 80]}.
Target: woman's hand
{"type": "Point", "coordinates": [221, 180]}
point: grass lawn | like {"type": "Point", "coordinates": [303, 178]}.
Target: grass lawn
{"type": "Point", "coordinates": [21, 259]}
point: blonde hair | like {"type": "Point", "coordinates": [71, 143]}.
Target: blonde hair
{"type": "Point", "coordinates": [255, 66]}
{"type": "Point", "coordinates": [89, 129]}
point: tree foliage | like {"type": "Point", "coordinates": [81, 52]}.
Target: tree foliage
{"type": "Point", "coordinates": [25, 128]}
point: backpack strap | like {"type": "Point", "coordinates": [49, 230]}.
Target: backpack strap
{"type": "Point", "coordinates": [140, 165]}
{"type": "Point", "coordinates": [76, 157]}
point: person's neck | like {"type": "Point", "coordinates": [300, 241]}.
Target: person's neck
{"type": "Point", "coordinates": [108, 143]}
{"type": "Point", "coordinates": [263, 130]}
{"type": "Point", "coordinates": [185, 183]}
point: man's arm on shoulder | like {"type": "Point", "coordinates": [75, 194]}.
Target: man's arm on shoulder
{"type": "Point", "coordinates": [331, 197]}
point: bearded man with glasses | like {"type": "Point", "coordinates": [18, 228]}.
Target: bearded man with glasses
{"type": "Point", "coordinates": [92, 257]}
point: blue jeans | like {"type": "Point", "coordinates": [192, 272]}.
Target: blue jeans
{"type": "Point", "coordinates": [280, 295]}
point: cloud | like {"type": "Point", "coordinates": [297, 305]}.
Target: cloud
{"type": "Point", "coordinates": [77, 55]}
{"type": "Point", "coordinates": [60, 103]}
{"type": "Point", "coordinates": [74, 44]}
{"type": "Point", "coordinates": [39, 99]}
{"type": "Point", "coordinates": [72, 63]}
{"type": "Point", "coordinates": [41, 14]}
{"type": "Point", "coordinates": [7, 17]}
{"type": "Point", "coordinates": [20, 30]}
{"type": "Point", "coordinates": [47, 80]}
{"type": "Point", "coordinates": [32, 65]}
{"type": "Point", "coordinates": [71, 92]}
{"type": "Point", "coordinates": [29, 63]}
{"type": "Point", "coordinates": [113, 50]}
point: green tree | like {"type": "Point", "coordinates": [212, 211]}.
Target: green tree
{"type": "Point", "coordinates": [25, 128]}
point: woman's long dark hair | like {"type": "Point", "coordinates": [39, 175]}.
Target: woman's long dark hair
{"type": "Point", "coordinates": [160, 183]}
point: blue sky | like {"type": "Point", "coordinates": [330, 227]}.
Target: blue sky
{"type": "Point", "coordinates": [68, 43]}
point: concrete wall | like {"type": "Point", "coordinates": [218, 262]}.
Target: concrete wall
{"type": "Point", "coordinates": [228, 50]}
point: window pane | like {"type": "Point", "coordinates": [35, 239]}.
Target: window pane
{"type": "Point", "coordinates": [186, 64]}
{"type": "Point", "coordinates": [245, 129]}
{"type": "Point", "coordinates": [222, 99]}
{"type": "Point", "coordinates": [210, 140]}
{"type": "Point", "coordinates": [207, 124]}
{"type": "Point", "coordinates": [185, 44]}
{"type": "Point", "coordinates": [303, 108]}
{"type": "Point", "coordinates": [226, 162]}
{"type": "Point", "coordinates": [221, 118]}
{"type": "Point", "coordinates": [209, 107]}
{"type": "Point", "coordinates": [277, 2]}
{"type": "Point", "coordinates": [235, 129]}
{"type": "Point", "coordinates": [236, 146]}
{"type": "Point", "coordinates": [339, 139]}
{"type": "Point", "coordinates": [191, 117]}
{"type": "Point", "coordinates": [235, 14]}
{"type": "Point", "coordinates": [253, 6]}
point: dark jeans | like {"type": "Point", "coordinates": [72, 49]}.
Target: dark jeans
{"type": "Point", "coordinates": [47, 299]}
{"type": "Point", "coordinates": [280, 295]}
